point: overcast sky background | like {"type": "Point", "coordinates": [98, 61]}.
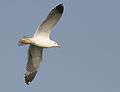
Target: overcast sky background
{"type": "Point", "coordinates": [89, 60]}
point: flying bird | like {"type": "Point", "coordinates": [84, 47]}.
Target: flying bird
{"type": "Point", "coordinates": [39, 41]}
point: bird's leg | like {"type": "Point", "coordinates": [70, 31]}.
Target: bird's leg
{"type": "Point", "coordinates": [24, 41]}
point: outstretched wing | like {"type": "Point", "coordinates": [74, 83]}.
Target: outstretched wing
{"type": "Point", "coordinates": [34, 60]}
{"type": "Point", "coordinates": [53, 17]}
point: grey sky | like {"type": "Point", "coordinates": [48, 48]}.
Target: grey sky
{"type": "Point", "coordinates": [89, 60]}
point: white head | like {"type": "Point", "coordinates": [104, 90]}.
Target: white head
{"type": "Point", "coordinates": [55, 44]}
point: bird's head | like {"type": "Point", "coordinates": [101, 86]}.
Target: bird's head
{"type": "Point", "coordinates": [55, 44]}
{"type": "Point", "coordinates": [24, 41]}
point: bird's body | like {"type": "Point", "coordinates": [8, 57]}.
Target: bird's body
{"type": "Point", "coordinates": [43, 42]}
{"type": "Point", "coordinates": [40, 39]}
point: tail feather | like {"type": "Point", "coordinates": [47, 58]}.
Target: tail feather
{"type": "Point", "coordinates": [29, 77]}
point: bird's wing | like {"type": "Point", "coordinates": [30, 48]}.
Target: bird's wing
{"type": "Point", "coordinates": [34, 60]}
{"type": "Point", "coordinates": [53, 17]}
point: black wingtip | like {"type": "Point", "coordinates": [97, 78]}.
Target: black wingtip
{"type": "Point", "coordinates": [60, 8]}
{"type": "Point", "coordinates": [30, 77]}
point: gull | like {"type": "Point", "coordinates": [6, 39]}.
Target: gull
{"type": "Point", "coordinates": [39, 41]}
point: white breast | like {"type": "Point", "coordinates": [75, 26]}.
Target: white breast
{"type": "Point", "coordinates": [42, 41]}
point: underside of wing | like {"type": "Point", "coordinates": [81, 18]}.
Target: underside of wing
{"type": "Point", "coordinates": [34, 59]}
{"type": "Point", "coordinates": [53, 17]}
